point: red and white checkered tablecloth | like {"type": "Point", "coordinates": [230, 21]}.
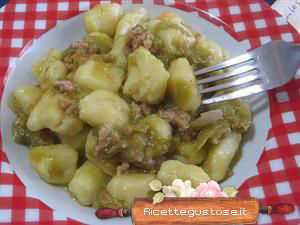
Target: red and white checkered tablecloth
{"type": "Point", "coordinates": [253, 20]}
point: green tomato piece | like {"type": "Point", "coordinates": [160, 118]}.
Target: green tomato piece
{"type": "Point", "coordinates": [236, 112]}
{"type": "Point", "coordinates": [190, 153]}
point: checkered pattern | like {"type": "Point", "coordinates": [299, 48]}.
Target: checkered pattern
{"type": "Point", "coordinates": [249, 20]}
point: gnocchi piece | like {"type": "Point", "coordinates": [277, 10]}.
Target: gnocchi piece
{"type": "Point", "coordinates": [182, 86]}
{"type": "Point", "coordinates": [94, 75]}
{"type": "Point", "coordinates": [77, 141]}
{"type": "Point", "coordinates": [69, 126]}
{"type": "Point", "coordinates": [221, 155]}
{"type": "Point", "coordinates": [105, 200]}
{"type": "Point", "coordinates": [172, 39]}
{"type": "Point", "coordinates": [151, 25]}
{"type": "Point", "coordinates": [149, 140]}
{"type": "Point", "coordinates": [101, 40]}
{"type": "Point", "coordinates": [160, 134]}
{"type": "Point", "coordinates": [173, 42]}
{"type": "Point", "coordinates": [39, 68]}
{"type": "Point", "coordinates": [47, 113]}
{"type": "Point", "coordinates": [130, 20]}
{"type": "Point", "coordinates": [87, 181]}
{"type": "Point", "coordinates": [103, 18]}
{"type": "Point", "coordinates": [56, 71]}
{"type": "Point", "coordinates": [126, 187]}
{"type": "Point", "coordinates": [25, 98]}
{"type": "Point", "coordinates": [205, 53]}
{"type": "Point", "coordinates": [56, 164]}
{"type": "Point", "coordinates": [50, 69]}
{"type": "Point", "coordinates": [159, 127]}
{"type": "Point", "coordinates": [135, 151]}
{"type": "Point", "coordinates": [102, 107]}
{"type": "Point", "coordinates": [174, 169]}
{"type": "Point", "coordinates": [147, 78]}
{"type": "Point", "coordinates": [107, 166]}
{"type": "Point", "coordinates": [118, 53]}
{"type": "Point", "coordinates": [170, 17]}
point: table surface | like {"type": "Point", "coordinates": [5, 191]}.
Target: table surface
{"type": "Point", "coordinates": [278, 178]}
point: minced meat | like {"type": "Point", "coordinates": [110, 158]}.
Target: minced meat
{"type": "Point", "coordinates": [138, 36]}
{"type": "Point", "coordinates": [178, 118]}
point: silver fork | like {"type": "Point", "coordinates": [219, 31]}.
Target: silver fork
{"type": "Point", "coordinates": [262, 69]}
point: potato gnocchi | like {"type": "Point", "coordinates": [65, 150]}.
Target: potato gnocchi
{"type": "Point", "coordinates": [121, 108]}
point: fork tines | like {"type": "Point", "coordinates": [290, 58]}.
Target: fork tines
{"type": "Point", "coordinates": [243, 73]}
{"type": "Point", "coordinates": [230, 62]}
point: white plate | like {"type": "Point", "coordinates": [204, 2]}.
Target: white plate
{"type": "Point", "coordinates": [60, 37]}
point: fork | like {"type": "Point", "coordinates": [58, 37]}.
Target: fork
{"type": "Point", "coordinates": [262, 69]}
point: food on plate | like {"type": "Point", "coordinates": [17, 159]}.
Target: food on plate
{"type": "Point", "coordinates": [86, 182]}
{"type": "Point", "coordinates": [56, 164]}
{"type": "Point", "coordinates": [101, 41]}
{"type": "Point", "coordinates": [120, 110]}
{"type": "Point", "coordinates": [103, 107]}
{"type": "Point", "coordinates": [51, 113]}
{"type": "Point", "coordinates": [126, 187]}
{"type": "Point", "coordinates": [93, 75]}
{"type": "Point", "coordinates": [221, 155]}
{"type": "Point", "coordinates": [173, 169]}
{"type": "Point", "coordinates": [129, 21]}
{"type": "Point", "coordinates": [103, 18]}
{"type": "Point", "coordinates": [182, 86]}
{"type": "Point", "coordinates": [147, 77]}
{"type": "Point", "coordinates": [25, 98]}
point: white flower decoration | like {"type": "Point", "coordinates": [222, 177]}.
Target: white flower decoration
{"type": "Point", "coordinates": [179, 188]}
